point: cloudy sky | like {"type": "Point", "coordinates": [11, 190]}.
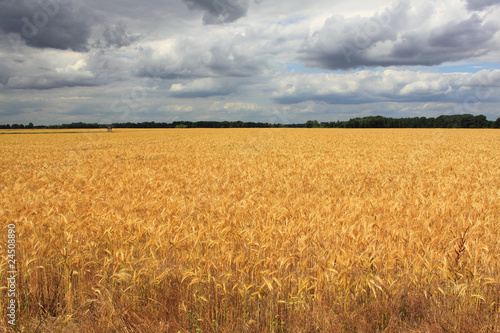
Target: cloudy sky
{"type": "Point", "coordinates": [252, 60]}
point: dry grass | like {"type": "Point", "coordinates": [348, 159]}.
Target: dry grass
{"type": "Point", "coordinates": [274, 230]}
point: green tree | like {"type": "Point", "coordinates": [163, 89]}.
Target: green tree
{"type": "Point", "coordinates": [312, 123]}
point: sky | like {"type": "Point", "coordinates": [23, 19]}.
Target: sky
{"type": "Point", "coordinates": [275, 61]}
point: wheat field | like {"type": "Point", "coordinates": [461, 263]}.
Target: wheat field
{"type": "Point", "coordinates": [253, 230]}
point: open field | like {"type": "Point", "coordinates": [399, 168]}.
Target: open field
{"type": "Point", "coordinates": [253, 230]}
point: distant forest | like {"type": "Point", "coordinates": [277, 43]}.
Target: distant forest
{"type": "Point", "coordinates": [448, 121]}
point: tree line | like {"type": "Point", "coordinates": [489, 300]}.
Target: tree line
{"type": "Point", "coordinates": [445, 121]}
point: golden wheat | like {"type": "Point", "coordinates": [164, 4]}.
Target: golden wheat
{"type": "Point", "coordinates": [254, 230]}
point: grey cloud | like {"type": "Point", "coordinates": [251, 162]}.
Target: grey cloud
{"type": "Point", "coordinates": [480, 4]}
{"type": "Point", "coordinates": [203, 88]}
{"type": "Point", "coordinates": [40, 70]}
{"type": "Point", "coordinates": [219, 11]}
{"type": "Point", "coordinates": [471, 33]}
{"type": "Point", "coordinates": [47, 24]}
{"type": "Point", "coordinates": [108, 66]}
{"type": "Point", "coordinates": [342, 42]}
{"type": "Point", "coordinates": [50, 81]}
{"type": "Point", "coordinates": [183, 60]}
{"type": "Point", "coordinates": [451, 42]}
{"type": "Point", "coordinates": [16, 108]}
{"type": "Point", "coordinates": [117, 36]}
{"type": "Point", "coordinates": [5, 73]}
{"type": "Point", "coordinates": [388, 39]}
{"type": "Point", "coordinates": [191, 58]}
{"type": "Point", "coordinates": [228, 59]}
{"type": "Point", "coordinates": [89, 109]}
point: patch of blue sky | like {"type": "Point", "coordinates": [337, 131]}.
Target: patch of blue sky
{"type": "Point", "coordinates": [446, 68]}
{"type": "Point", "coordinates": [466, 68]}
{"type": "Point", "coordinates": [292, 20]}
{"type": "Point", "coordinates": [452, 68]}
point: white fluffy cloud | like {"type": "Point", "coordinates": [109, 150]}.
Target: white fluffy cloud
{"type": "Point", "coordinates": [386, 86]}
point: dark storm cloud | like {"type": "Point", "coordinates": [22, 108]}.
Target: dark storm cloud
{"type": "Point", "coordinates": [480, 4]}
{"type": "Point", "coordinates": [219, 11]}
{"type": "Point", "coordinates": [388, 39]}
{"type": "Point", "coordinates": [47, 24]}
